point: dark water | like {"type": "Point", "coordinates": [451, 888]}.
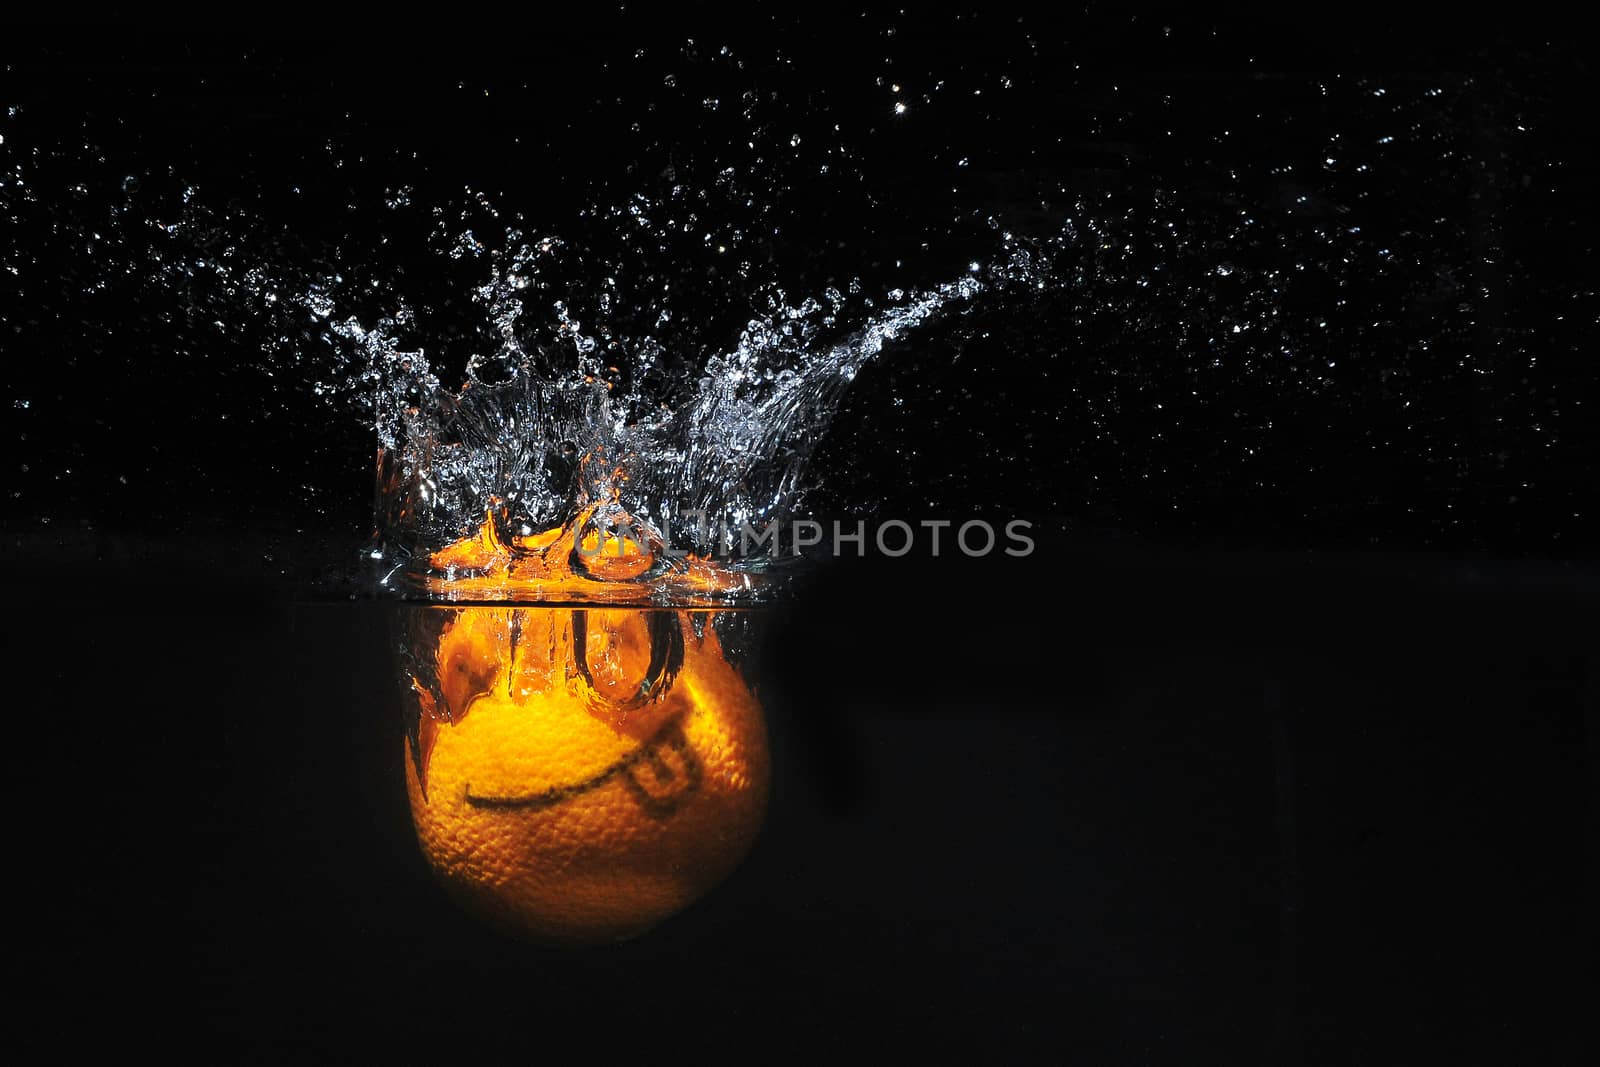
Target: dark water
{"type": "Point", "coordinates": [1165, 811]}
{"type": "Point", "coordinates": [1277, 750]}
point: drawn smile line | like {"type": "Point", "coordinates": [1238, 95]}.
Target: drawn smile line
{"type": "Point", "coordinates": [556, 795]}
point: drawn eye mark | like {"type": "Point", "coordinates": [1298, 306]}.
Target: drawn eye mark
{"type": "Point", "coordinates": [669, 772]}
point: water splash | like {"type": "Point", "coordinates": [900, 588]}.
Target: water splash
{"type": "Point", "coordinates": [586, 395]}
{"type": "Point", "coordinates": [1266, 332]}
{"type": "Point", "coordinates": [591, 433]}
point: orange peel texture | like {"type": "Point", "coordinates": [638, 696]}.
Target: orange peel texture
{"type": "Point", "coordinates": [578, 775]}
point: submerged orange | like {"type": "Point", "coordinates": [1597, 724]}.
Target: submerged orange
{"type": "Point", "coordinates": [580, 775]}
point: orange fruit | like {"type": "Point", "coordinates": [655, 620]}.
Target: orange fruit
{"type": "Point", "coordinates": [580, 775]}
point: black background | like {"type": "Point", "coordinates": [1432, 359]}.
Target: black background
{"type": "Point", "coordinates": [1298, 775]}
{"type": "Point", "coordinates": [1180, 813]}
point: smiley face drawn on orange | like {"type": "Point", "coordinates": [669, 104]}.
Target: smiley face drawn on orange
{"type": "Point", "coordinates": [580, 774]}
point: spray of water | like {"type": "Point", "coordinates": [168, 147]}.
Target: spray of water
{"type": "Point", "coordinates": [677, 354]}
{"type": "Point", "coordinates": [537, 438]}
